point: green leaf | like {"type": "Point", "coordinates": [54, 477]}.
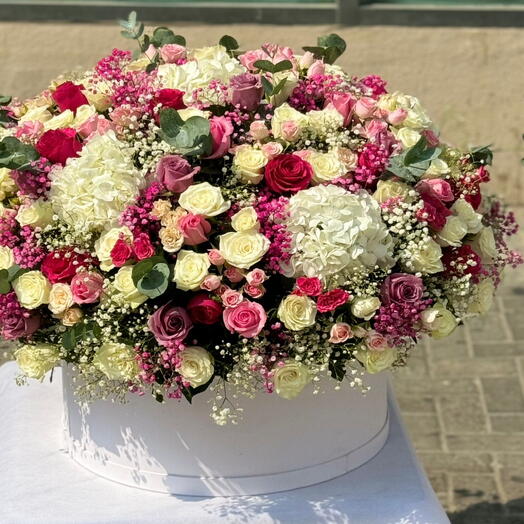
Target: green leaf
{"type": "Point", "coordinates": [332, 40]}
{"type": "Point", "coordinates": [337, 368]}
{"type": "Point", "coordinates": [4, 100]}
{"type": "Point", "coordinates": [265, 65]}
{"type": "Point", "coordinates": [155, 282]}
{"type": "Point", "coordinates": [482, 155]}
{"type": "Point", "coordinates": [279, 86]}
{"type": "Point", "coordinates": [228, 42]}
{"type": "Point", "coordinates": [5, 283]}
{"type": "Point", "coordinates": [318, 52]}
{"type": "Point", "coordinates": [14, 154]}
{"type": "Point", "coordinates": [151, 67]}
{"type": "Point", "coordinates": [268, 86]}
{"type": "Point", "coordinates": [331, 54]}
{"type": "Point", "coordinates": [413, 153]}
{"type": "Point", "coordinates": [163, 36]}
{"type": "Point", "coordinates": [283, 65]}
{"type": "Point", "coordinates": [15, 271]}
{"type": "Point", "coordinates": [187, 393]}
{"type": "Point", "coordinates": [145, 266]}
{"type": "Point", "coordinates": [170, 122]}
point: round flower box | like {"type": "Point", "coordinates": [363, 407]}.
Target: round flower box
{"type": "Point", "coordinates": [176, 448]}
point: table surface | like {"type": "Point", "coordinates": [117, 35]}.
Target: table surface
{"type": "Point", "coordinates": [39, 484]}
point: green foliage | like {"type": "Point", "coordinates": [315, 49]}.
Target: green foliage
{"type": "Point", "coordinates": [229, 43]}
{"type": "Point", "coordinates": [337, 368]}
{"type": "Point", "coordinates": [7, 276]}
{"type": "Point", "coordinates": [329, 48]}
{"type": "Point", "coordinates": [151, 276]}
{"type": "Point", "coordinates": [190, 392]}
{"type": "Point", "coordinates": [80, 332]}
{"type": "Point", "coordinates": [270, 67]}
{"type": "Point", "coordinates": [482, 155]}
{"type": "Point", "coordinates": [131, 28]}
{"type": "Point", "coordinates": [413, 163]}
{"type": "Point", "coordinates": [16, 155]}
{"type": "Point", "coordinates": [4, 100]}
{"type": "Point", "coordinates": [163, 36]}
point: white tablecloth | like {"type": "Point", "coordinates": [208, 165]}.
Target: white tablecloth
{"type": "Point", "coordinates": [40, 484]}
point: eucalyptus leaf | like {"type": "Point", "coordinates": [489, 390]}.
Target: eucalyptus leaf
{"type": "Point", "coordinates": [482, 155]}
{"type": "Point", "coordinates": [5, 285]}
{"type": "Point", "coordinates": [155, 282]}
{"type": "Point", "coordinates": [283, 65]}
{"type": "Point", "coordinates": [265, 65]}
{"type": "Point", "coordinates": [163, 36]}
{"type": "Point", "coordinates": [279, 86]}
{"type": "Point", "coordinates": [4, 100]}
{"type": "Point", "coordinates": [170, 122]}
{"type": "Point", "coordinates": [337, 369]}
{"type": "Point", "coordinates": [145, 266]}
{"type": "Point", "coordinates": [14, 154]}
{"type": "Point", "coordinates": [317, 51]}
{"type": "Point", "coordinates": [229, 43]}
{"type": "Point", "coordinates": [332, 40]}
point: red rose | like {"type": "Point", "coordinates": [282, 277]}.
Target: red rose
{"type": "Point", "coordinates": [57, 145]}
{"type": "Point", "coordinates": [121, 252]}
{"type": "Point", "coordinates": [288, 173]}
{"type": "Point", "coordinates": [434, 212]}
{"type": "Point", "coordinates": [173, 98]}
{"type": "Point", "coordinates": [69, 96]}
{"type": "Point", "coordinates": [331, 300]}
{"type": "Point", "coordinates": [312, 287]}
{"type": "Point", "coordinates": [204, 310]}
{"type": "Point", "coordinates": [142, 247]}
{"type": "Point", "coordinates": [62, 265]}
{"type": "Point", "coordinates": [461, 260]}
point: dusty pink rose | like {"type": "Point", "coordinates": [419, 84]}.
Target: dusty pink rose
{"type": "Point", "coordinates": [402, 288]}
{"type": "Point", "coordinates": [340, 332]}
{"type": "Point", "coordinates": [254, 291]}
{"type": "Point", "coordinates": [272, 149]}
{"type": "Point", "coordinates": [95, 124]}
{"type": "Point", "coordinates": [258, 130]}
{"type": "Point", "coordinates": [436, 187]}
{"type": "Point", "coordinates": [169, 324]}
{"type": "Point", "coordinates": [290, 130]}
{"type": "Point", "coordinates": [175, 173]}
{"type": "Point", "coordinates": [344, 103]}
{"type": "Point", "coordinates": [316, 68]}
{"type": "Point", "coordinates": [431, 137]}
{"type": "Point", "coordinates": [195, 229]}
{"type": "Point", "coordinates": [30, 130]}
{"type": "Point", "coordinates": [211, 282]}
{"type": "Point", "coordinates": [231, 298]}
{"type": "Point", "coordinates": [250, 57]}
{"type": "Point", "coordinates": [86, 287]}
{"type": "Point", "coordinates": [20, 323]}
{"type": "Point", "coordinates": [171, 53]}
{"type": "Point", "coordinates": [221, 130]}
{"type": "Point", "coordinates": [304, 154]}
{"type": "Point", "coordinates": [376, 341]}
{"type": "Point", "coordinates": [256, 277]}
{"type": "Point", "coordinates": [246, 91]}
{"type": "Point", "coordinates": [365, 107]}
{"type": "Point", "coordinates": [374, 127]}
{"type": "Point", "coordinates": [247, 319]}
{"type": "Point", "coordinates": [233, 274]}
{"type": "Point", "coordinates": [215, 257]}
{"type": "Point", "coordinates": [397, 117]}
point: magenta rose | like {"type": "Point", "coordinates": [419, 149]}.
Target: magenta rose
{"type": "Point", "coordinates": [20, 323]}
{"type": "Point", "coordinates": [402, 288]}
{"type": "Point", "coordinates": [288, 173]}
{"type": "Point", "coordinates": [221, 130]}
{"type": "Point", "coordinates": [175, 173]}
{"type": "Point", "coordinates": [121, 252]}
{"type": "Point", "coordinates": [142, 247]}
{"type": "Point", "coordinates": [310, 286]}
{"type": "Point", "coordinates": [247, 319]}
{"type": "Point", "coordinates": [331, 300]}
{"type": "Point", "coordinates": [195, 229]}
{"type": "Point", "coordinates": [86, 287]}
{"type": "Point", "coordinates": [169, 324]}
{"type": "Point", "coordinates": [246, 91]}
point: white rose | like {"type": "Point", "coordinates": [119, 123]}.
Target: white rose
{"type": "Point", "coordinates": [482, 297]}
{"type": "Point", "coordinates": [83, 113]}
{"type": "Point", "coordinates": [427, 259]}
{"type": "Point", "coordinates": [203, 199]}
{"type": "Point", "coordinates": [243, 249]}
{"type": "Point", "coordinates": [60, 298]}
{"type": "Point", "coordinates": [36, 360]}
{"type": "Point", "coordinates": [188, 112]}
{"type": "Point", "coordinates": [106, 242]}
{"type": "Point", "coordinates": [439, 321]}
{"type": "Point", "coordinates": [245, 220]}
{"type": "Point", "coordinates": [64, 119]}
{"type": "Point", "coordinates": [190, 269]}
{"type": "Point", "coordinates": [297, 312]}
{"type": "Point", "coordinates": [285, 113]}
{"type": "Point", "coordinates": [248, 164]}
{"type": "Point", "coordinates": [468, 215]}
{"type": "Point", "coordinates": [32, 289]}
{"type": "Point", "coordinates": [125, 285]}
{"type": "Point", "coordinates": [38, 214]}
{"type": "Point", "coordinates": [290, 379]}
{"type": "Point", "coordinates": [37, 114]}
{"type": "Point", "coordinates": [100, 99]}
{"type": "Point", "coordinates": [326, 166]}
{"type": "Point", "coordinates": [7, 259]}
{"type": "Point", "coordinates": [376, 361]}
{"type": "Point", "coordinates": [7, 184]}
{"type": "Point", "coordinates": [436, 169]}
{"type": "Point", "coordinates": [453, 232]}
{"type": "Point", "coordinates": [116, 361]}
{"type": "Point", "coordinates": [484, 244]}
{"type": "Point", "coordinates": [196, 366]}
{"type": "Point", "coordinates": [365, 307]}
{"type": "Point", "coordinates": [408, 137]}
{"type": "Point", "coordinates": [387, 189]}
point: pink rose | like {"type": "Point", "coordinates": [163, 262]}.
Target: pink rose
{"type": "Point", "coordinates": [397, 117]}
{"type": "Point", "coordinates": [210, 283]}
{"type": "Point", "coordinates": [221, 130]}
{"type": "Point", "coordinates": [86, 287]}
{"type": "Point", "coordinates": [233, 274]}
{"type": "Point", "coordinates": [304, 154]}
{"type": "Point", "coordinates": [175, 173]}
{"type": "Point", "coordinates": [195, 229]}
{"type": "Point", "coordinates": [215, 257]}
{"type": "Point", "coordinates": [330, 300]}
{"type": "Point", "coordinates": [402, 288]}
{"type": "Point", "coordinates": [246, 91]}
{"type": "Point", "coordinates": [306, 59]}
{"type": "Point", "coordinates": [250, 57]}
{"type": "Point", "coordinates": [254, 291]}
{"type": "Point", "coordinates": [365, 107]}
{"type": "Point", "coordinates": [376, 341]}
{"type": "Point", "coordinates": [171, 53]}
{"type": "Point", "coordinates": [374, 127]}
{"type": "Point", "coordinates": [290, 130]}
{"type": "Point", "coordinates": [247, 319]}
{"type": "Point", "coordinates": [258, 130]}
{"type": "Point", "coordinates": [231, 298]}
{"type": "Point", "coordinates": [121, 252]}
{"type": "Point", "coordinates": [316, 68]}
{"type": "Point", "coordinates": [344, 103]}
{"type": "Point", "coordinates": [256, 277]}
{"type": "Point", "coordinates": [340, 332]}
{"type": "Point", "coordinates": [431, 138]}
{"type": "Point", "coordinates": [436, 187]}
{"type": "Point", "coordinates": [272, 149]}
{"type": "Point", "coordinates": [30, 130]}
{"type": "Point", "coordinates": [310, 286]}
{"type": "Point", "coordinates": [95, 124]}
{"type": "Point", "coordinates": [142, 246]}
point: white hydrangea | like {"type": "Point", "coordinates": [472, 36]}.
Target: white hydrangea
{"type": "Point", "coordinates": [335, 232]}
{"type": "Point", "coordinates": [91, 191]}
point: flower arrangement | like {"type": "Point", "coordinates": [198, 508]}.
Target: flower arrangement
{"type": "Point", "coordinates": [251, 221]}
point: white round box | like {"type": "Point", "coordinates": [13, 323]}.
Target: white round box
{"type": "Point", "coordinates": [279, 444]}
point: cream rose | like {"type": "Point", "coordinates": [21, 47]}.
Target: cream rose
{"type": "Point", "coordinates": [243, 249]}
{"type": "Point", "coordinates": [291, 79]}
{"type": "Point", "coordinates": [83, 113]}
{"type": "Point", "coordinates": [38, 214]}
{"type": "Point", "coordinates": [203, 199]}
{"type": "Point", "coordinates": [106, 242]}
{"type": "Point", "coordinates": [290, 379]}
{"type": "Point", "coordinates": [245, 220]}
{"type": "Point", "coordinates": [116, 361]}
{"type": "Point", "coordinates": [484, 244]}
{"type": "Point", "coordinates": [37, 114]}
{"type": "Point", "coordinates": [436, 169]}
{"type": "Point", "coordinates": [249, 163]}
{"type": "Point", "coordinates": [191, 269]}
{"type": "Point", "coordinates": [32, 289]}
{"type": "Point", "coordinates": [64, 119]}
{"type": "Point", "coordinates": [453, 232]}
{"type": "Point", "coordinates": [297, 312]}
{"type": "Point", "coordinates": [71, 316]}
{"type": "Point", "coordinates": [427, 259]}
{"type": "Point", "coordinates": [125, 285]}
{"type": "Point", "coordinates": [7, 259]}
{"type": "Point", "coordinates": [326, 166]}
{"type": "Point", "coordinates": [408, 137]}
{"type": "Point", "coordinates": [376, 361]}
{"type": "Point", "coordinates": [196, 366]}
{"type": "Point", "coordinates": [365, 307]}
{"type": "Point", "coordinates": [387, 189]}
{"type": "Point", "coordinates": [171, 238]}
{"type": "Point", "coordinates": [438, 320]}
{"type": "Point", "coordinates": [285, 114]}
{"type": "Point", "coordinates": [482, 297]}
{"type": "Point", "coordinates": [7, 184]}
{"type": "Point", "coordinates": [60, 298]}
{"type": "Point", "coordinates": [464, 210]}
{"type": "Point", "coordinates": [36, 360]}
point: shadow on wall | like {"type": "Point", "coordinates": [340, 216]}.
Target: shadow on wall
{"type": "Point", "coordinates": [490, 512]}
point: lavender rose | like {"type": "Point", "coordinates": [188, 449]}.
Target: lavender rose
{"type": "Point", "coordinates": [247, 91]}
{"type": "Point", "coordinates": [175, 173]}
{"type": "Point", "coordinates": [402, 288]}
{"type": "Point", "coordinates": [20, 324]}
{"type": "Point", "coordinates": [169, 324]}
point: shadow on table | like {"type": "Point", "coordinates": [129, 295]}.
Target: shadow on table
{"type": "Point", "coordinates": [491, 513]}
